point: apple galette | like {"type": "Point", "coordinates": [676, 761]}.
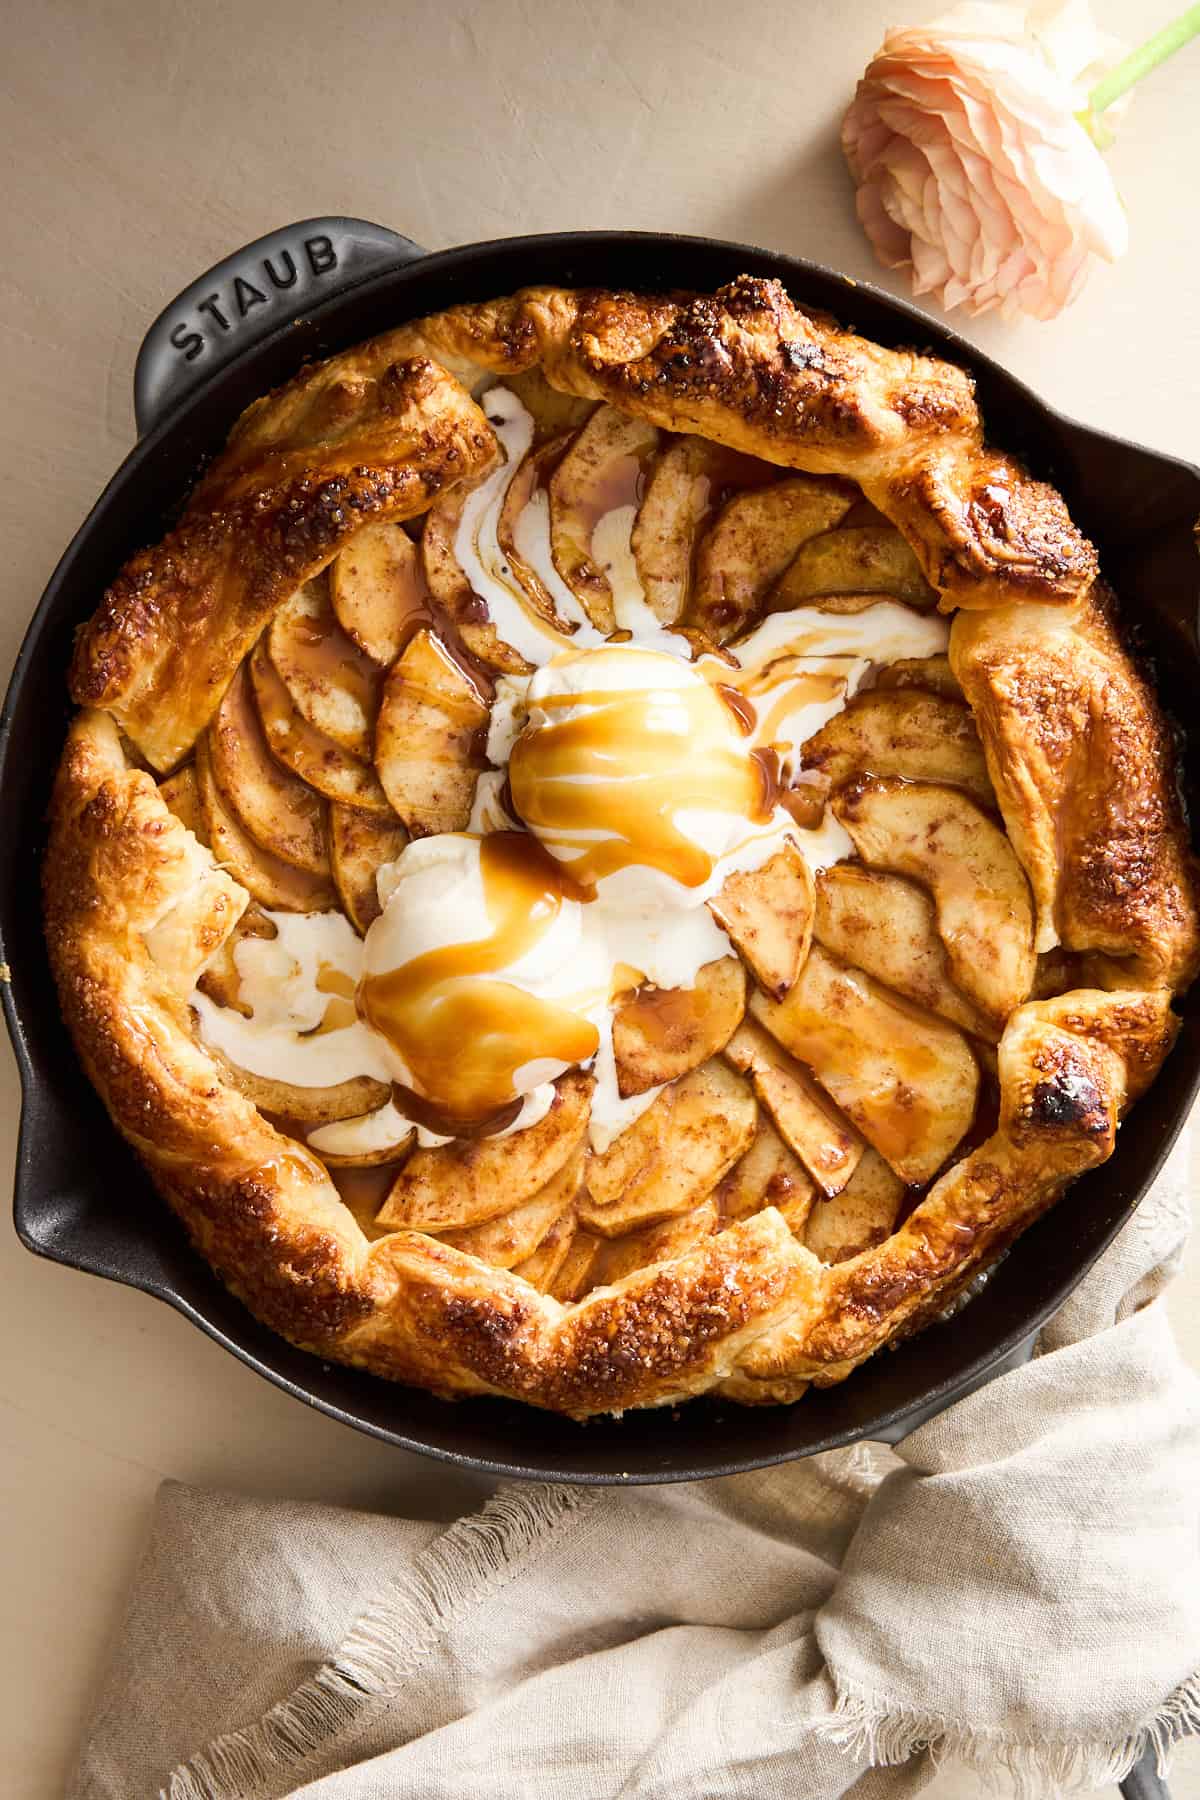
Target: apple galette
{"type": "Point", "coordinates": [615, 852]}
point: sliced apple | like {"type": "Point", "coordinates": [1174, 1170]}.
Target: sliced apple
{"type": "Point", "coordinates": [541, 1270]}
{"type": "Point", "coordinates": [428, 747]}
{"type": "Point", "coordinates": [861, 1216]}
{"type": "Point", "coordinates": [330, 682]}
{"type": "Point", "coordinates": [513, 1236]}
{"type": "Point", "coordinates": [277, 885]}
{"type": "Point", "coordinates": [941, 838]}
{"type": "Point", "coordinates": [379, 1139]}
{"type": "Point", "coordinates": [449, 1186]}
{"type": "Point", "coordinates": [902, 731]}
{"type": "Point", "coordinates": [315, 758]}
{"type": "Point", "coordinates": [286, 1101]}
{"type": "Point", "coordinates": [274, 807]}
{"type": "Point", "coordinates": [574, 1276]}
{"type": "Point", "coordinates": [854, 559]}
{"type": "Point", "coordinates": [906, 1080]}
{"type": "Point", "coordinates": [932, 672]}
{"type": "Point", "coordinates": [673, 1156]}
{"type": "Point", "coordinates": [770, 1174]}
{"type": "Point", "coordinates": [602, 470]}
{"type": "Point", "coordinates": [452, 591]}
{"type": "Point", "coordinates": [663, 1032]}
{"type": "Point", "coordinates": [377, 591]}
{"type": "Point", "coordinates": [887, 927]}
{"type": "Point", "coordinates": [180, 793]}
{"type": "Point", "coordinates": [753, 539]}
{"type": "Point", "coordinates": [220, 979]}
{"type": "Point", "coordinates": [657, 1243]}
{"type": "Point", "coordinates": [768, 914]}
{"type": "Point", "coordinates": [553, 413]}
{"type": "Point", "coordinates": [688, 480]}
{"type": "Point", "coordinates": [359, 846]}
{"type": "Point", "coordinates": [825, 1142]}
{"type": "Point", "coordinates": [534, 472]}
{"type": "Point", "coordinates": [360, 1191]}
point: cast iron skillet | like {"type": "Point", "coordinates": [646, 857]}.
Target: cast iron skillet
{"type": "Point", "coordinates": [82, 1198]}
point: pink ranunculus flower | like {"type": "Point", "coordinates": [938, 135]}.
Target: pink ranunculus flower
{"type": "Point", "coordinates": [972, 167]}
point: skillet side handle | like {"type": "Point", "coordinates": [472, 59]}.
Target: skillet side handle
{"type": "Point", "coordinates": [272, 282]}
{"type": "Point", "coordinates": [921, 1415]}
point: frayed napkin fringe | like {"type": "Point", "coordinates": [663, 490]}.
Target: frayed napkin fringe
{"type": "Point", "coordinates": [873, 1730]}
{"type": "Point", "coordinates": [388, 1643]}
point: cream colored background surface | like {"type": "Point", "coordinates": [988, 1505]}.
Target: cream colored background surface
{"type": "Point", "coordinates": [141, 142]}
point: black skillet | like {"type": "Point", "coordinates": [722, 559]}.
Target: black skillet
{"type": "Point", "coordinates": [82, 1198]}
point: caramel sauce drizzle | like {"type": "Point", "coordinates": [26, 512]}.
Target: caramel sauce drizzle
{"type": "Point", "coordinates": [334, 660]}
{"type": "Point", "coordinates": [619, 481]}
{"type": "Point", "coordinates": [780, 687]}
{"type": "Point", "coordinates": [462, 1033]}
{"type": "Point", "coordinates": [624, 767]}
{"type": "Point", "coordinates": [342, 1010]}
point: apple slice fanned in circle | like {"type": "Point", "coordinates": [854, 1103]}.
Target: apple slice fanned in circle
{"type": "Point", "coordinates": [220, 978]}
{"type": "Point", "coordinates": [180, 793]}
{"type": "Point", "coordinates": [768, 916]}
{"type": "Point", "coordinates": [513, 1236]}
{"type": "Point", "coordinates": [861, 1216]}
{"type": "Point", "coordinates": [449, 1186]}
{"type": "Point", "coordinates": [673, 1156]}
{"type": "Point", "coordinates": [931, 672]}
{"type": "Point", "coordinates": [275, 884]}
{"type": "Point", "coordinates": [770, 1174]}
{"type": "Point", "coordinates": [752, 540]}
{"type": "Point", "coordinates": [359, 846]}
{"type": "Point", "coordinates": [315, 758]}
{"type": "Point", "coordinates": [687, 481]}
{"type": "Point", "coordinates": [902, 731]}
{"type": "Point", "coordinates": [287, 1101]}
{"type": "Point", "coordinates": [661, 1033]}
{"type": "Point", "coordinates": [533, 473]}
{"type": "Point", "coordinates": [886, 926]}
{"type": "Point", "coordinates": [542, 1269]}
{"type": "Point", "coordinates": [939, 837]}
{"type": "Point", "coordinates": [854, 559]}
{"type": "Point", "coordinates": [278, 810]}
{"type": "Point", "coordinates": [576, 1273]}
{"type": "Point", "coordinates": [453, 593]}
{"type": "Point", "coordinates": [378, 593]}
{"type": "Point", "coordinates": [552, 412]}
{"type": "Point", "coordinates": [656, 1243]}
{"type": "Point", "coordinates": [906, 1080]}
{"type": "Point", "coordinates": [602, 470]}
{"type": "Point", "coordinates": [330, 681]}
{"type": "Point", "coordinates": [805, 1118]}
{"type": "Point", "coordinates": [428, 742]}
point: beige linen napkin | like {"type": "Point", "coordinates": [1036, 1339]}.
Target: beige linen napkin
{"type": "Point", "coordinates": [1019, 1584]}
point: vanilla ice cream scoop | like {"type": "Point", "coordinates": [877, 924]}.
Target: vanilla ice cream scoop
{"type": "Point", "coordinates": [637, 773]}
{"type": "Point", "coordinates": [478, 979]}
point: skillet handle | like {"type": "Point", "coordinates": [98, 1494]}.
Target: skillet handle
{"type": "Point", "coordinates": [270, 283]}
{"type": "Point", "coordinates": [915, 1417]}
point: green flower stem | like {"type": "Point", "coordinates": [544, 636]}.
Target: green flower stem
{"type": "Point", "coordinates": [1147, 56]}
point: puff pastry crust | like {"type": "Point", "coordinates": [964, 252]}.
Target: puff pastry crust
{"type": "Point", "coordinates": [364, 438]}
{"type": "Point", "coordinates": [1077, 752]}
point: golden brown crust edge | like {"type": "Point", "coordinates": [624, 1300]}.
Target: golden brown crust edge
{"type": "Point", "coordinates": [1083, 766]}
{"type": "Point", "coordinates": [363, 438]}
{"type": "Point", "coordinates": [130, 912]}
{"type": "Point", "coordinates": [750, 1308]}
{"type": "Point", "coordinates": [746, 367]}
